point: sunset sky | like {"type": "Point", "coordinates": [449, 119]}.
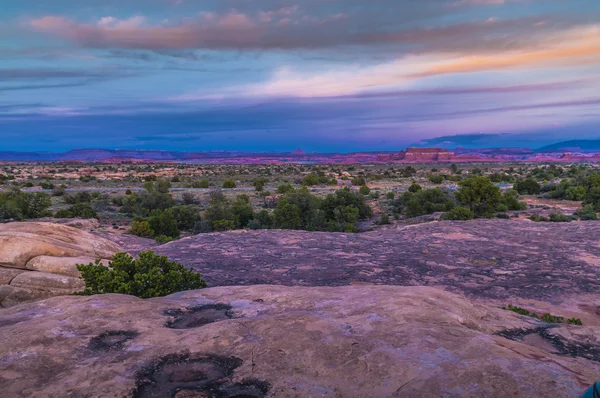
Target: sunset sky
{"type": "Point", "coordinates": [323, 75]}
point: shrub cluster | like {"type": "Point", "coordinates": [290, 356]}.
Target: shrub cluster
{"type": "Point", "coordinates": [150, 275]}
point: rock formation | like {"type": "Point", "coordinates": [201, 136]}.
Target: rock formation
{"type": "Point", "coordinates": [38, 260]}
{"type": "Point", "coordinates": [277, 341]}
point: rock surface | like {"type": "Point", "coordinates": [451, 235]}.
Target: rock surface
{"type": "Point", "coordinates": [37, 260]}
{"type": "Point", "coordinates": [503, 260]}
{"type": "Point", "coordinates": [276, 341]}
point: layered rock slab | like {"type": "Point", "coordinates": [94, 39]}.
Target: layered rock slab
{"type": "Point", "coordinates": [38, 260]}
{"type": "Point", "coordinates": [276, 341]}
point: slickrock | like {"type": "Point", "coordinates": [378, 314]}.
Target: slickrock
{"type": "Point", "coordinates": [277, 341]}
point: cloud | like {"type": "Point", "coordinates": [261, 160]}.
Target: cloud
{"type": "Point", "coordinates": [288, 26]}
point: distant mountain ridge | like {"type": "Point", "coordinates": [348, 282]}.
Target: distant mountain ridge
{"type": "Point", "coordinates": [573, 145]}
{"type": "Point", "coordinates": [589, 152]}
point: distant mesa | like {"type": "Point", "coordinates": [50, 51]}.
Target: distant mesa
{"type": "Point", "coordinates": [298, 151]}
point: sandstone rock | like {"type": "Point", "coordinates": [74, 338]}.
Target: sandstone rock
{"type": "Point", "coordinates": [60, 265]}
{"type": "Point", "coordinates": [278, 341]}
{"type": "Point", "coordinates": [82, 241]}
{"type": "Point", "coordinates": [47, 281]}
{"type": "Point", "coordinates": [37, 260]}
{"type": "Point", "coordinates": [7, 275]}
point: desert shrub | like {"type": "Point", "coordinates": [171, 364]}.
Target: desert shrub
{"type": "Point", "coordinates": [264, 218]}
{"type": "Point", "coordinates": [574, 321]}
{"type": "Point", "coordinates": [286, 215]}
{"type": "Point", "coordinates": [229, 184]}
{"type": "Point", "coordinates": [188, 198]}
{"type": "Point", "coordinates": [163, 222]}
{"type": "Point", "coordinates": [63, 213]}
{"type": "Point", "coordinates": [310, 180]}
{"type": "Point", "coordinates": [421, 202]}
{"type": "Point", "coordinates": [78, 197]}
{"type": "Point", "coordinates": [458, 213]}
{"type": "Point", "coordinates": [82, 210]}
{"type": "Point", "coordinates": [575, 193]}
{"type": "Point", "coordinates": [162, 239]}
{"type": "Point", "coordinates": [202, 227]}
{"type": "Point", "coordinates": [259, 184]}
{"type": "Point", "coordinates": [344, 218]}
{"type": "Point", "coordinates": [59, 191]}
{"type": "Point", "coordinates": [46, 185]}
{"type": "Point", "coordinates": [18, 205]}
{"type": "Point", "coordinates": [384, 219]}
{"type": "Point", "coordinates": [364, 190]}
{"type": "Point", "coordinates": [200, 184]}
{"type": "Point", "coordinates": [480, 195]}
{"type": "Point", "coordinates": [242, 211]}
{"type": "Point", "coordinates": [128, 192]}
{"type": "Point", "coordinates": [549, 318]}
{"type": "Point", "coordinates": [509, 201]}
{"type": "Point", "coordinates": [518, 310]}
{"type": "Point", "coordinates": [284, 188]}
{"type": "Point", "coordinates": [150, 275]}
{"type": "Point", "coordinates": [358, 181]}
{"type": "Point", "coordinates": [503, 216]}
{"type": "Point", "coordinates": [186, 217]}
{"type": "Point", "coordinates": [556, 217]}
{"type": "Point", "coordinates": [223, 225]}
{"type": "Point", "coordinates": [414, 187]}
{"type": "Point", "coordinates": [390, 196]}
{"type": "Point", "coordinates": [436, 179]}
{"type": "Point", "coordinates": [141, 228]}
{"type": "Point", "coordinates": [587, 213]}
{"type": "Point", "coordinates": [255, 224]}
{"type": "Point", "coordinates": [527, 186]}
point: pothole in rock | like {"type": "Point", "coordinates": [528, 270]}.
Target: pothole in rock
{"type": "Point", "coordinates": [198, 316]}
{"type": "Point", "coordinates": [207, 376]}
{"type": "Point", "coordinates": [111, 340]}
{"type": "Point", "coordinates": [543, 339]}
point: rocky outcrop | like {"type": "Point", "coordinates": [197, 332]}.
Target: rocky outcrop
{"type": "Point", "coordinates": [38, 260]}
{"type": "Point", "coordinates": [277, 341]}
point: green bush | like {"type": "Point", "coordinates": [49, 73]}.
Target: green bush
{"type": "Point", "coordinates": [284, 188]}
{"type": "Point", "coordinates": [229, 184]}
{"type": "Point", "coordinates": [414, 187]}
{"type": "Point", "coordinates": [163, 222]}
{"type": "Point", "coordinates": [436, 179]}
{"type": "Point", "coordinates": [555, 217]}
{"type": "Point", "coordinates": [574, 321]}
{"type": "Point", "coordinates": [83, 210]}
{"type": "Point", "coordinates": [458, 213]}
{"type": "Point", "coordinates": [384, 219]}
{"type": "Point", "coordinates": [141, 228]}
{"type": "Point", "coordinates": [150, 275]}
{"type": "Point", "coordinates": [18, 205]}
{"type": "Point", "coordinates": [223, 225]}
{"type": "Point", "coordinates": [528, 186]}
{"type": "Point", "coordinates": [310, 180]}
{"type": "Point", "coordinates": [162, 239]}
{"type": "Point", "coordinates": [364, 190]}
{"type": "Point", "coordinates": [421, 202]}
{"type": "Point", "coordinates": [480, 195]}
{"type": "Point", "coordinates": [201, 184]}
{"type": "Point", "coordinates": [390, 196]}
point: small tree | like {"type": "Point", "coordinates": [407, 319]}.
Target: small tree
{"type": "Point", "coordinates": [480, 195]}
{"type": "Point", "coordinates": [150, 275]}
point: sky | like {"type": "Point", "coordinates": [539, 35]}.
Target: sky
{"type": "Point", "coordinates": [276, 75]}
